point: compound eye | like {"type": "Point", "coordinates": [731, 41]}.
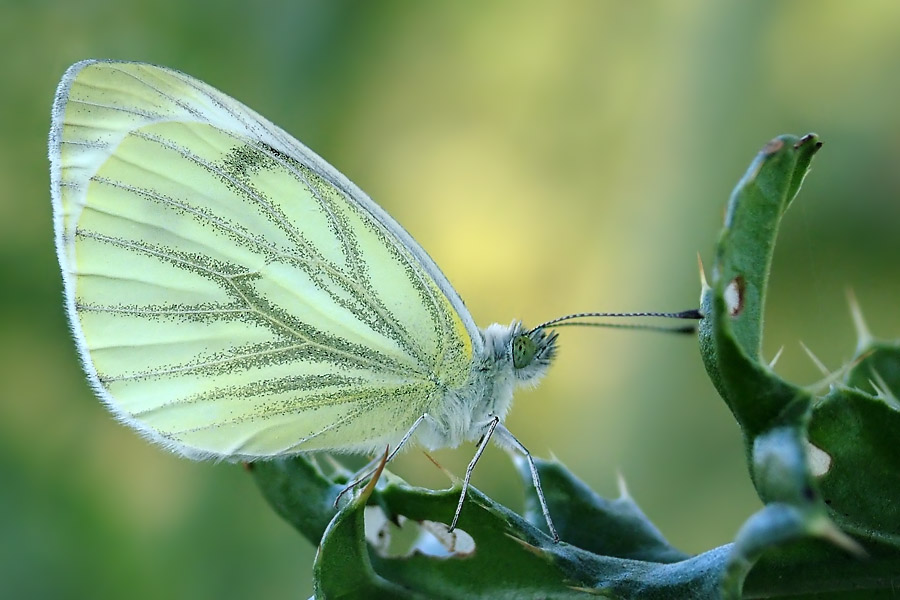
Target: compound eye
{"type": "Point", "coordinates": [523, 351]}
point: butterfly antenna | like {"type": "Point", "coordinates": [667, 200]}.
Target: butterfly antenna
{"type": "Point", "coordinates": [687, 329]}
{"type": "Point", "coordinates": [575, 319]}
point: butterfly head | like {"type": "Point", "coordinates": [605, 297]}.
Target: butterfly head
{"type": "Point", "coordinates": [531, 352]}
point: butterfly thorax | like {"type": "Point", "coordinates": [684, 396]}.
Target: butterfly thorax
{"type": "Point", "coordinates": [511, 356]}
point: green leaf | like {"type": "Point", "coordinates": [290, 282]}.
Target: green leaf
{"type": "Point", "coordinates": [778, 419]}
{"type": "Point", "coordinates": [861, 486]}
{"type": "Point", "coordinates": [731, 332]}
{"type": "Point", "coordinates": [607, 527]}
{"type": "Point", "coordinates": [877, 368]}
{"type": "Point", "coordinates": [299, 492]}
{"type": "Point", "coordinates": [747, 241]}
{"type": "Point", "coordinates": [342, 568]}
{"type": "Point", "coordinates": [510, 558]}
{"type": "Point", "coordinates": [815, 569]}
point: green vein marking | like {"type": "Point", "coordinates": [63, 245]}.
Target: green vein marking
{"type": "Point", "coordinates": [237, 175]}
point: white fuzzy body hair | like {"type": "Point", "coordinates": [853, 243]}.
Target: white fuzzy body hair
{"type": "Point", "coordinates": [463, 414]}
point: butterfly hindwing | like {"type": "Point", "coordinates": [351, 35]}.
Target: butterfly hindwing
{"type": "Point", "coordinates": [232, 294]}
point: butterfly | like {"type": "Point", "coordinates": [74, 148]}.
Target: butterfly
{"type": "Point", "coordinates": [234, 296]}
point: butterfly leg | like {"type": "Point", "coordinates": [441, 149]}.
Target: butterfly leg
{"type": "Point", "coordinates": [506, 438]}
{"type": "Point", "coordinates": [370, 468]}
{"type": "Point", "coordinates": [495, 422]}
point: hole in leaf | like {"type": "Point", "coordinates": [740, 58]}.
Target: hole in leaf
{"type": "Point", "coordinates": [430, 538]}
{"type": "Point", "coordinates": [819, 460]}
{"type": "Point", "coordinates": [734, 296]}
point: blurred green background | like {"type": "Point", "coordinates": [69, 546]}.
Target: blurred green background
{"type": "Point", "coordinates": [551, 157]}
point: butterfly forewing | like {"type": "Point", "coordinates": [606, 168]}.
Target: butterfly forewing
{"type": "Point", "coordinates": [233, 295]}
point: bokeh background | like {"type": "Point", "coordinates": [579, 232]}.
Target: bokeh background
{"type": "Point", "coordinates": [551, 157]}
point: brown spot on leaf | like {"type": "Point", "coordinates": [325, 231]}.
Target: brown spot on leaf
{"type": "Point", "coordinates": [772, 147]}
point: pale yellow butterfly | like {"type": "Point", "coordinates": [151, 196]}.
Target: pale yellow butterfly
{"type": "Point", "coordinates": [234, 296]}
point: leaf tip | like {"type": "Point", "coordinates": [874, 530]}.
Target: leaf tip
{"type": "Point", "coordinates": [830, 532]}
{"type": "Point", "coordinates": [809, 138]}
{"type": "Point", "coordinates": [370, 486]}
{"type": "Point", "coordinates": [864, 336]}
{"type": "Point", "coordinates": [775, 358]}
{"type": "Point", "coordinates": [623, 487]}
{"type": "Point", "coordinates": [815, 359]}
{"type": "Point", "coordinates": [536, 550]}
{"type": "Point", "coordinates": [704, 283]}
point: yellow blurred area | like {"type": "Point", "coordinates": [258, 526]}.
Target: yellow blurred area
{"type": "Point", "coordinates": [551, 157]}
